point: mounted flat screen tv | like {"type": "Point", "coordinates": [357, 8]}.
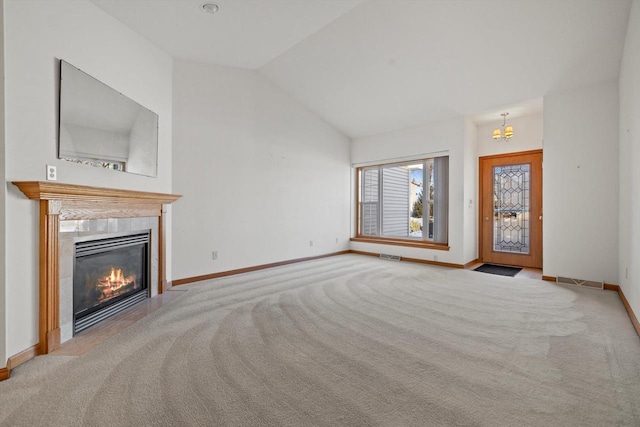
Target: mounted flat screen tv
{"type": "Point", "coordinates": [101, 127]}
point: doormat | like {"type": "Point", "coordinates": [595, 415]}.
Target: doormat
{"type": "Point", "coordinates": [500, 270]}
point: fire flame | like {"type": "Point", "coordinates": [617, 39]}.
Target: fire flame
{"type": "Point", "coordinates": [111, 284]}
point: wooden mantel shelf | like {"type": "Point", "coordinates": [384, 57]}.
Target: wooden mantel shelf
{"type": "Point", "coordinates": [60, 201]}
{"type": "Point", "coordinates": [47, 190]}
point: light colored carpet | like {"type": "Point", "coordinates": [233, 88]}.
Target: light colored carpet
{"type": "Point", "coordinates": [350, 341]}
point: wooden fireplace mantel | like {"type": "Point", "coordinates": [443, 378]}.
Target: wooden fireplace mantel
{"type": "Point", "coordinates": [60, 201]}
{"type": "Point", "coordinates": [71, 195]}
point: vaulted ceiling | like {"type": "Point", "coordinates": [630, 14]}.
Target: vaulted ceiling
{"type": "Point", "coordinates": [372, 66]}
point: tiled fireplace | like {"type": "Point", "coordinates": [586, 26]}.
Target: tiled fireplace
{"type": "Point", "coordinates": [71, 216]}
{"type": "Point", "coordinates": [106, 265]}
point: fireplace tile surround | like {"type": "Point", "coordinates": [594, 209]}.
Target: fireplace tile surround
{"type": "Point", "coordinates": [69, 211]}
{"type": "Point", "coordinates": [72, 229]}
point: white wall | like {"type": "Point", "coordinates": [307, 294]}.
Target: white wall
{"type": "Point", "coordinates": [629, 176]}
{"type": "Point", "coordinates": [3, 280]}
{"type": "Point", "coordinates": [528, 134]}
{"type": "Point", "coordinates": [443, 137]}
{"type": "Point", "coordinates": [37, 34]}
{"type": "Point", "coordinates": [580, 196]}
{"type": "Point", "coordinates": [260, 175]}
{"type": "Point", "coordinates": [470, 201]}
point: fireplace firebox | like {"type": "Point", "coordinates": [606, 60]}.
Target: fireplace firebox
{"type": "Point", "coordinates": [111, 273]}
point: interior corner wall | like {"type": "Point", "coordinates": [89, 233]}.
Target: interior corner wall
{"type": "Point", "coordinates": [38, 34]}
{"type": "Point", "coordinates": [447, 136]}
{"type": "Point", "coordinates": [263, 179]}
{"type": "Point", "coordinates": [580, 179]}
{"type": "Point", "coordinates": [470, 191]}
{"type": "Point", "coordinates": [3, 270]}
{"type": "Point", "coordinates": [629, 173]}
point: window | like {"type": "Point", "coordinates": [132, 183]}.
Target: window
{"type": "Point", "coordinates": [404, 201]}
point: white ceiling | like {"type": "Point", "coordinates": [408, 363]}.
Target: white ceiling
{"type": "Point", "coordinates": [371, 66]}
{"type": "Point", "coordinates": [243, 33]}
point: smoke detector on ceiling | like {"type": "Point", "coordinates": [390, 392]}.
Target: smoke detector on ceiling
{"type": "Point", "coordinates": [209, 7]}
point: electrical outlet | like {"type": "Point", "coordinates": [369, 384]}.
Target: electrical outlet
{"type": "Point", "coordinates": [52, 173]}
{"type": "Point", "coordinates": [435, 257]}
{"type": "Point", "coordinates": [626, 272]}
{"type": "Point", "coordinates": [214, 255]}
{"type": "Point", "coordinates": [336, 240]}
{"type": "Point", "coordinates": [310, 242]}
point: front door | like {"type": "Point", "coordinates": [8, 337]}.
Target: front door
{"type": "Point", "coordinates": [511, 209]}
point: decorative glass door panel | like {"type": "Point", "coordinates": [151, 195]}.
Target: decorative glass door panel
{"type": "Point", "coordinates": [511, 208]}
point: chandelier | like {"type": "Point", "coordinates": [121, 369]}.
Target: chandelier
{"type": "Point", "coordinates": [506, 132]}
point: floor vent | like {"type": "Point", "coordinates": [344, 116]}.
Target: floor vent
{"type": "Point", "coordinates": [578, 282]}
{"type": "Point", "coordinates": [390, 257]}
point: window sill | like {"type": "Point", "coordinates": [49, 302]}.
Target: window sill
{"type": "Point", "coordinates": [401, 242]}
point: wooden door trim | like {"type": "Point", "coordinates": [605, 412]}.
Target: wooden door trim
{"type": "Point", "coordinates": [481, 191]}
{"type": "Point", "coordinates": [519, 153]}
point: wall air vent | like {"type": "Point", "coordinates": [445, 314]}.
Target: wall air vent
{"type": "Point", "coordinates": [579, 282]}
{"type": "Point", "coordinates": [390, 257]}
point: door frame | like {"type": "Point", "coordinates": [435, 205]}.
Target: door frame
{"type": "Point", "coordinates": [481, 199]}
